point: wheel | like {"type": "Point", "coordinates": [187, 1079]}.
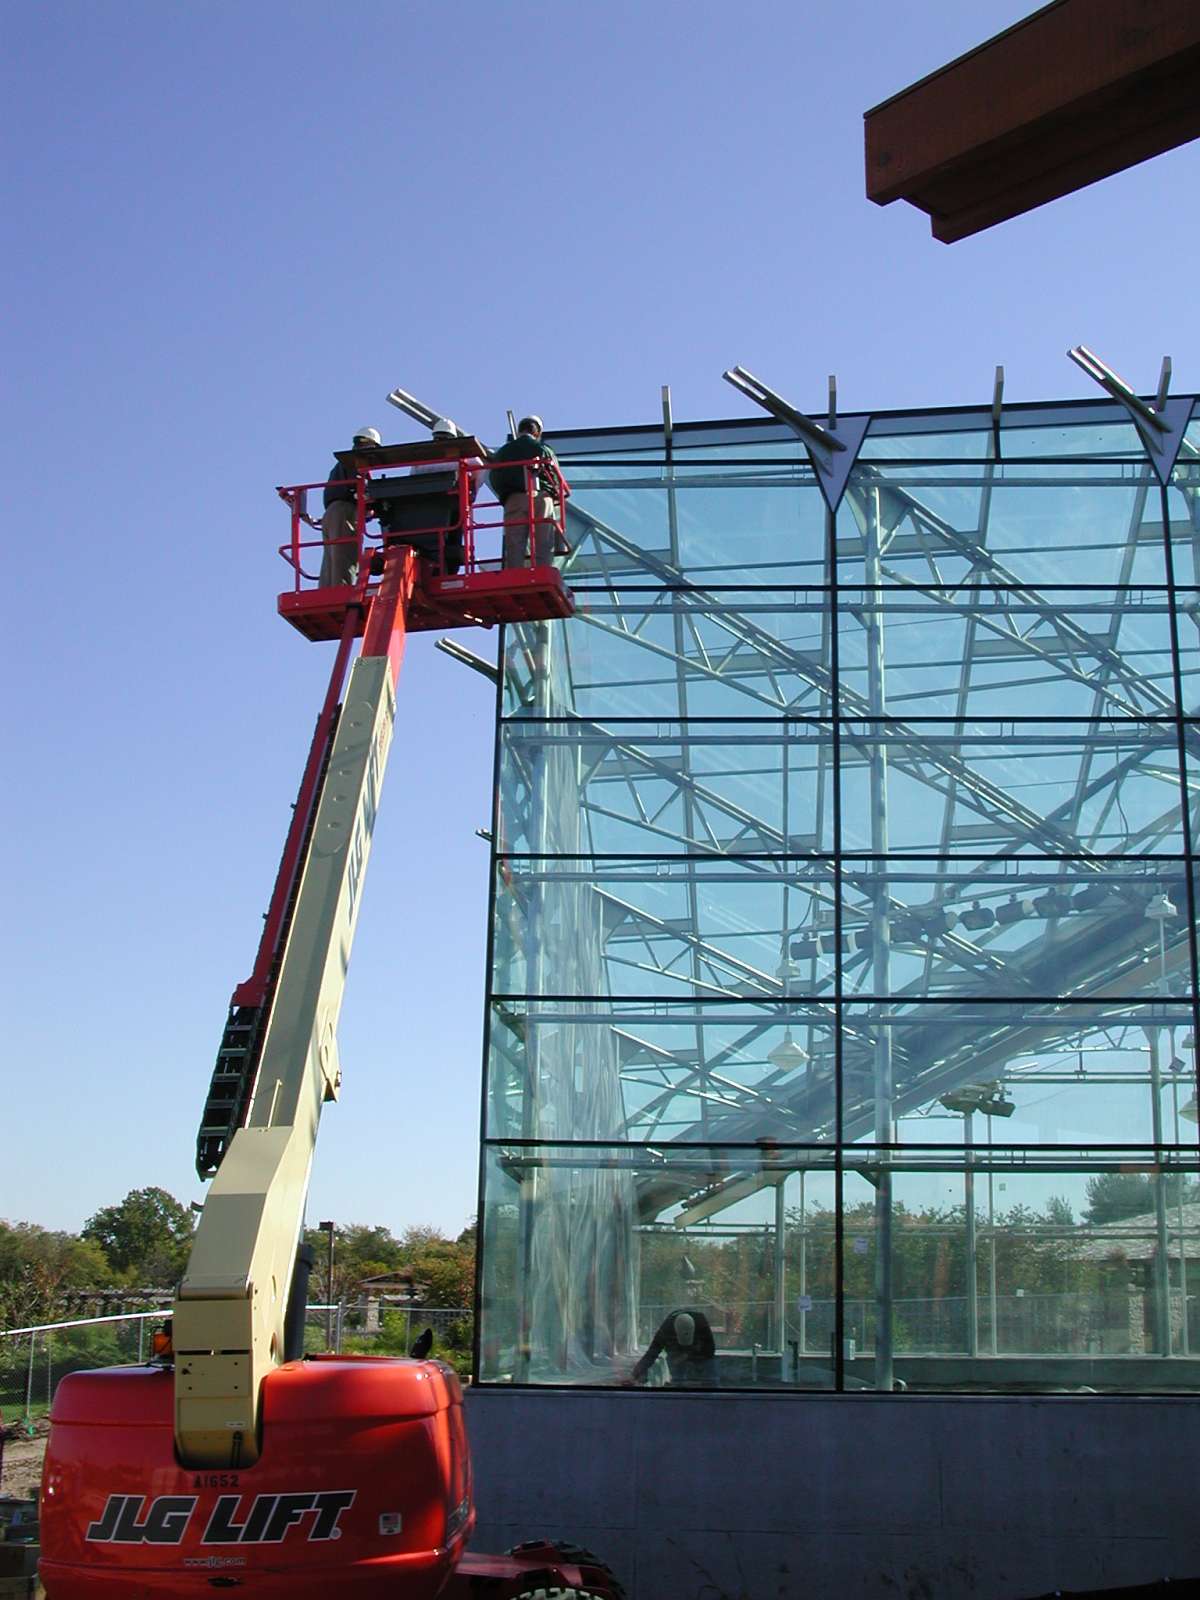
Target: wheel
{"type": "Point", "coordinates": [562, 1553]}
{"type": "Point", "coordinates": [558, 1594]}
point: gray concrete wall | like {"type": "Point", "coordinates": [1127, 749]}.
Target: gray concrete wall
{"type": "Point", "coordinates": [760, 1497]}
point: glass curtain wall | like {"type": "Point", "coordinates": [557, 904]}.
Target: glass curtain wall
{"type": "Point", "coordinates": [842, 1010]}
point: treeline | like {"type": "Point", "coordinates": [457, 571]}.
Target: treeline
{"type": "Point", "coordinates": [128, 1255]}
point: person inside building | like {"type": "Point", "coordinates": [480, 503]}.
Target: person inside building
{"type": "Point", "coordinates": [521, 510]}
{"type": "Point", "coordinates": [339, 525]}
{"type": "Point", "coordinates": [686, 1339]}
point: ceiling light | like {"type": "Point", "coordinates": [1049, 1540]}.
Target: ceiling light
{"type": "Point", "coordinates": [787, 1054]}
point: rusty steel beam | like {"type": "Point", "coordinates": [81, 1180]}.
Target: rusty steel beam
{"type": "Point", "coordinates": [1077, 91]}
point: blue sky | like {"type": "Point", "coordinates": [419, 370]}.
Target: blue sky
{"type": "Point", "coordinates": [231, 229]}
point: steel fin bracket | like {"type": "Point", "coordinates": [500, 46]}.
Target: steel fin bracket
{"type": "Point", "coordinates": [832, 449]}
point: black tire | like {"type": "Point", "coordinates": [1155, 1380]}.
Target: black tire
{"type": "Point", "coordinates": [576, 1556]}
{"type": "Point", "coordinates": [558, 1594]}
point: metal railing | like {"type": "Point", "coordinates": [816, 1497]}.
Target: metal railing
{"type": "Point", "coordinates": [476, 513]}
{"type": "Point", "coordinates": [1068, 1323]}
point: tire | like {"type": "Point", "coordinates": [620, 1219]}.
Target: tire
{"type": "Point", "coordinates": [562, 1551]}
{"type": "Point", "coordinates": [558, 1594]}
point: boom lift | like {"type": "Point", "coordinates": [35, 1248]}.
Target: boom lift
{"type": "Point", "coordinates": [238, 1463]}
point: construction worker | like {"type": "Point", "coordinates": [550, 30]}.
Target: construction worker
{"type": "Point", "coordinates": [339, 525]}
{"type": "Point", "coordinates": [444, 432]}
{"type": "Point", "coordinates": [685, 1337]}
{"type": "Point", "coordinates": [521, 511]}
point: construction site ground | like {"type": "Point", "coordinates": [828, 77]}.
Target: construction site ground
{"type": "Point", "coordinates": [20, 1474]}
{"type": "Point", "coordinates": [21, 1467]}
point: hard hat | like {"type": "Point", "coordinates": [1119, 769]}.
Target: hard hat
{"type": "Point", "coordinates": [443, 425]}
{"type": "Point", "coordinates": [529, 422]}
{"type": "Point", "coordinates": [371, 435]}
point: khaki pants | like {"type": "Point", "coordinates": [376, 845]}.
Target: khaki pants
{"type": "Point", "coordinates": [339, 561]}
{"type": "Point", "coordinates": [516, 530]}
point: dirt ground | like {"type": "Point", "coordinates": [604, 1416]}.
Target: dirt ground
{"type": "Point", "coordinates": [21, 1468]}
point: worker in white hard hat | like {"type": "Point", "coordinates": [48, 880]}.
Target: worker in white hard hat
{"type": "Point", "coordinates": [443, 430]}
{"type": "Point", "coordinates": [339, 525]}
{"type": "Point", "coordinates": [443, 454]}
{"type": "Point", "coordinates": [532, 490]}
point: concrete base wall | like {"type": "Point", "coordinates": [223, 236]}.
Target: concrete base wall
{"type": "Point", "coordinates": [909, 1497]}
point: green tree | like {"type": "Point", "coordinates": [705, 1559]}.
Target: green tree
{"type": "Point", "coordinates": [1112, 1196]}
{"type": "Point", "coordinates": [146, 1237]}
{"type": "Point", "coordinates": [39, 1270]}
{"type": "Point", "coordinates": [443, 1270]}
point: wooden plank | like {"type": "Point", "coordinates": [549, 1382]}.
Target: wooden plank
{"type": "Point", "coordinates": [1077, 91]}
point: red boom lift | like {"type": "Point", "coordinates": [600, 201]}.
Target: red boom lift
{"type": "Point", "coordinates": [233, 1462]}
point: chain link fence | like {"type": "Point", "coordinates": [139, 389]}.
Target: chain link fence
{"type": "Point", "coordinates": [34, 1360]}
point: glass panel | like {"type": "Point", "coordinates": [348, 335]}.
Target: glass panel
{"type": "Point", "coordinates": [1020, 1075]}
{"type": "Point", "coordinates": [1183, 509]}
{"type": "Point", "coordinates": [1002, 524]}
{"type": "Point", "coordinates": [969, 1275]}
{"type": "Point", "coordinates": [1102, 789]}
{"type": "Point", "coordinates": [591, 1255]}
{"type": "Point", "coordinates": [654, 1071]}
{"type": "Point", "coordinates": [729, 653]}
{"type": "Point", "coordinates": [668, 928]}
{"type": "Point", "coordinates": [665, 788]}
{"type": "Point", "coordinates": [978, 928]}
{"type": "Point", "coordinates": [703, 522]}
{"type": "Point", "coordinates": [1025, 433]}
{"type": "Point", "coordinates": [1191, 748]}
{"type": "Point", "coordinates": [967, 443]}
{"type": "Point", "coordinates": [985, 652]}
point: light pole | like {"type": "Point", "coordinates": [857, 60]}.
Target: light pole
{"type": "Point", "coordinates": [1190, 1114]}
{"type": "Point", "coordinates": [992, 1100]}
{"type": "Point", "coordinates": [328, 1229]}
{"type": "Point", "coordinates": [1160, 910]}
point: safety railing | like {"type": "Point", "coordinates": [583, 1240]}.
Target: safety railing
{"type": "Point", "coordinates": [455, 526]}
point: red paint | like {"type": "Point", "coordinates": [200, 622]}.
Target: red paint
{"type": "Point", "coordinates": [359, 1438]}
{"type": "Point", "coordinates": [363, 1488]}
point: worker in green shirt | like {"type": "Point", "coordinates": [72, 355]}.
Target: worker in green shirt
{"type": "Point", "coordinates": [532, 490]}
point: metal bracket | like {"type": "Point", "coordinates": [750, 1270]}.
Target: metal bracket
{"type": "Point", "coordinates": [1161, 426]}
{"type": "Point", "coordinates": [997, 410]}
{"type": "Point", "coordinates": [456, 652]}
{"type": "Point", "coordinates": [416, 409]}
{"type": "Point", "coordinates": [832, 449]}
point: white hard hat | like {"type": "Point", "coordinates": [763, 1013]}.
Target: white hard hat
{"type": "Point", "coordinates": [443, 425]}
{"type": "Point", "coordinates": [371, 435]}
{"type": "Point", "coordinates": [528, 422]}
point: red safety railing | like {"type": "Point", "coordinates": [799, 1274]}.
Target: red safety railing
{"type": "Point", "coordinates": [527, 536]}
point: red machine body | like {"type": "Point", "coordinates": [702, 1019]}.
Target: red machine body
{"type": "Point", "coordinates": [364, 1477]}
{"type": "Point", "coordinates": [363, 1489]}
